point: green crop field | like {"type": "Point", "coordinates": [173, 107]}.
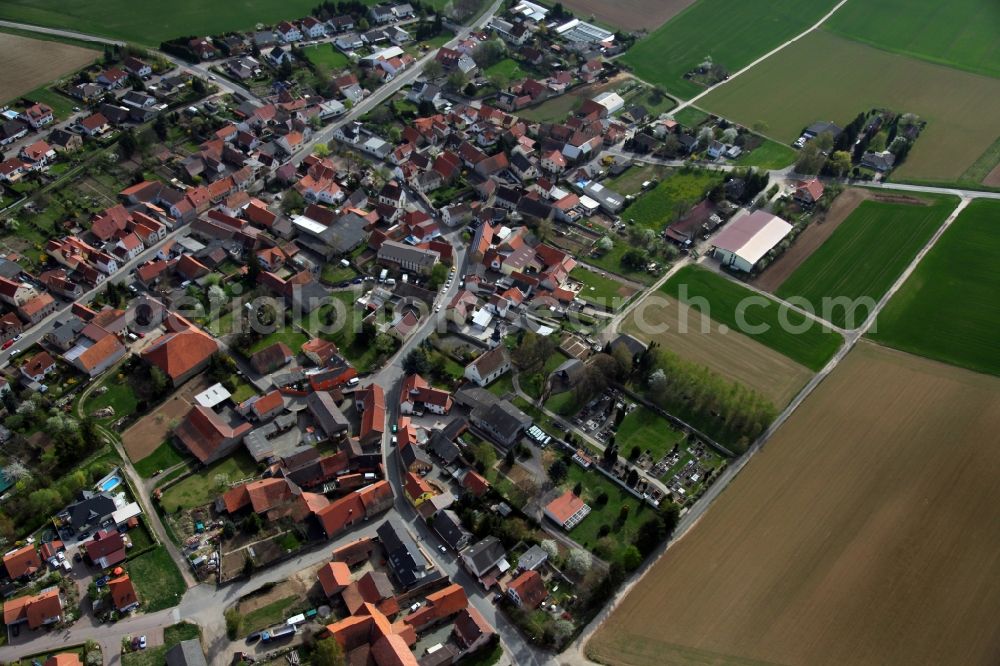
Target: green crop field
{"type": "Point", "coordinates": [734, 34]}
{"type": "Point", "coordinates": [812, 346]}
{"type": "Point", "coordinates": [947, 309]}
{"type": "Point", "coordinates": [865, 255]}
{"type": "Point", "coordinates": [149, 22]}
{"type": "Point", "coordinates": [958, 33]}
{"type": "Point", "coordinates": [962, 110]}
{"type": "Point", "coordinates": [670, 199]}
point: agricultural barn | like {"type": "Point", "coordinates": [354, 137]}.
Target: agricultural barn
{"type": "Point", "coordinates": [747, 239]}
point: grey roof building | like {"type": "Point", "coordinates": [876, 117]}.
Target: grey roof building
{"type": "Point", "coordinates": [406, 563]}
{"type": "Point", "coordinates": [327, 414]}
{"type": "Point", "coordinates": [408, 257]}
{"type": "Point", "coordinates": [480, 557]}
{"type": "Point", "coordinates": [186, 653]}
{"type": "Point", "coordinates": [449, 527]}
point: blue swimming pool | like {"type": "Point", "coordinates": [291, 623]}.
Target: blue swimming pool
{"type": "Point", "coordinates": [110, 484]}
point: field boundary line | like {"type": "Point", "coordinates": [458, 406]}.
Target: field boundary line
{"type": "Point", "coordinates": [823, 19]}
{"type": "Point", "coordinates": [576, 653]}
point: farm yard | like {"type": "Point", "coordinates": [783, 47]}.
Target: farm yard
{"type": "Point", "coordinates": [31, 63]}
{"type": "Point", "coordinates": [811, 347]}
{"type": "Point", "coordinates": [733, 34]}
{"type": "Point", "coordinates": [962, 110]}
{"type": "Point", "coordinates": [629, 14]}
{"type": "Point", "coordinates": [958, 33]}
{"type": "Point", "coordinates": [734, 356]}
{"type": "Point", "coordinates": [947, 308]}
{"type": "Point", "coordinates": [865, 255]}
{"type": "Point", "coordinates": [816, 554]}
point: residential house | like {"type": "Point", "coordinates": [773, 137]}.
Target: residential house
{"type": "Point", "coordinates": [288, 32]}
{"type": "Point", "coordinates": [407, 257]}
{"type": "Point", "coordinates": [485, 557]}
{"type": "Point", "coordinates": [449, 527]}
{"type": "Point", "coordinates": [23, 562]}
{"type": "Point", "coordinates": [182, 352]}
{"type": "Point", "coordinates": [106, 549]}
{"type": "Point", "coordinates": [37, 610]}
{"type": "Point", "coordinates": [489, 366]}
{"type": "Point", "coordinates": [210, 436]}
{"type": "Point", "coordinates": [809, 192]}
{"type": "Point", "coordinates": [123, 596]}
{"type": "Point", "coordinates": [38, 366]}
{"type": "Point", "coordinates": [38, 115]}
{"type": "Point", "coordinates": [527, 590]}
{"type": "Point", "coordinates": [567, 510]}
{"type": "Point", "coordinates": [417, 395]}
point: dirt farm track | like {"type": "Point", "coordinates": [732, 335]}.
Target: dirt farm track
{"type": "Point", "coordinates": [865, 532]}
{"type": "Point", "coordinates": [30, 63]}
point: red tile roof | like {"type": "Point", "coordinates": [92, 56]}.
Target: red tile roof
{"type": "Point", "coordinates": [530, 589]}
{"type": "Point", "coordinates": [122, 592]}
{"type": "Point", "coordinates": [202, 431]}
{"type": "Point", "coordinates": [177, 354]}
{"type": "Point", "coordinates": [22, 562]}
{"type": "Point", "coordinates": [333, 577]}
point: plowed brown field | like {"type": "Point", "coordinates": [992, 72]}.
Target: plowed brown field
{"type": "Point", "coordinates": [864, 533]}
{"type": "Point", "coordinates": [30, 63]}
{"type": "Point", "coordinates": [629, 14]}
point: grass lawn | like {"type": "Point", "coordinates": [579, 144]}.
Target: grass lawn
{"type": "Point", "coordinates": [166, 455]}
{"type": "Point", "coordinates": [962, 110]}
{"type": "Point", "coordinates": [612, 261]}
{"type": "Point", "coordinates": [982, 167]}
{"type": "Point", "coordinates": [326, 58]}
{"type": "Point", "coordinates": [605, 292]}
{"type": "Point", "coordinates": [649, 431]}
{"type": "Point", "coordinates": [811, 347]}
{"type": "Point", "coordinates": [630, 181]}
{"type": "Point", "coordinates": [587, 532]}
{"type": "Point", "coordinates": [335, 273]}
{"type": "Point", "coordinates": [290, 336]}
{"type": "Point", "coordinates": [670, 199]}
{"type": "Point", "coordinates": [505, 70]}
{"type": "Point", "coordinates": [158, 583]}
{"type": "Point", "coordinates": [200, 488]}
{"type": "Point", "coordinates": [563, 404]}
{"type": "Point", "coordinates": [156, 656]}
{"type": "Point", "coordinates": [768, 155]}
{"type": "Point", "coordinates": [691, 117]}
{"type": "Point", "coordinates": [958, 33]}
{"type": "Point", "coordinates": [502, 385]}
{"type": "Point", "coordinates": [733, 34]}
{"type": "Point", "coordinates": [865, 255]}
{"type": "Point", "coordinates": [947, 309]}
{"type": "Point", "coordinates": [484, 657]}
{"type": "Point", "coordinates": [268, 615]}
{"type": "Point", "coordinates": [651, 100]}
{"type": "Point", "coordinates": [119, 396]}
{"type": "Point", "coordinates": [243, 391]}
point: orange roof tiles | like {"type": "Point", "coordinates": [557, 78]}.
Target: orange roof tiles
{"type": "Point", "coordinates": [333, 577]}
{"type": "Point", "coordinates": [177, 354]}
{"type": "Point", "coordinates": [22, 562]}
{"type": "Point", "coordinates": [530, 589]}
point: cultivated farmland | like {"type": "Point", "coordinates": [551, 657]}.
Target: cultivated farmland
{"type": "Point", "coordinates": [864, 533]}
{"type": "Point", "coordinates": [865, 255]}
{"type": "Point", "coordinates": [629, 14]}
{"type": "Point", "coordinates": [959, 33]}
{"type": "Point", "coordinates": [962, 110]}
{"type": "Point", "coordinates": [698, 339]}
{"type": "Point", "coordinates": [947, 309]}
{"type": "Point", "coordinates": [30, 63]}
{"type": "Point", "coordinates": [729, 303]}
{"type": "Point", "coordinates": [150, 23]}
{"type": "Point", "coordinates": [734, 34]}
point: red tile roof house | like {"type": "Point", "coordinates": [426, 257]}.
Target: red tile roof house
{"type": "Point", "coordinates": [106, 549]}
{"type": "Point", "coordinates": [95, 125]}
{"type": "Point", "coordinates": [182, 352]}
{"type": "Point", "coordinates": [123, 594]}
{"type": "Point", "coordinates": [809, 192]}
{"type": "Point", "coordinates": [37, 309]}
{"type": "Point", "coordinates": [528, 590]}
{"type": "Point", "coordinates": [417, 394]}
{"type": "Point", "coordinates": [440, 606]}
{"type": "Point", "coordinates": [37, 610]}
{"type": "Point", "coordinates": [22, 563]}
{"type": "Point", "coordinates": [38, 366]}
{"type": "Point", "coordinates": [208, 436]}
{"type": "Point", "coordinates": [334, 577]}
{"type": "Point", "coordinates": [471, 631]}
{"type": "Point", "coordinates": [272, 357]}
{"type": "Point", "coordinates": [567, 510]}
{"type": "Point", "coordinates": [371, 402]}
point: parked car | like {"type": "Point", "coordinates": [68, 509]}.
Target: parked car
{"type": "Point", "coordinates": [142, 642]}
{"type": "Point", "coordinates": [8, 344]}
